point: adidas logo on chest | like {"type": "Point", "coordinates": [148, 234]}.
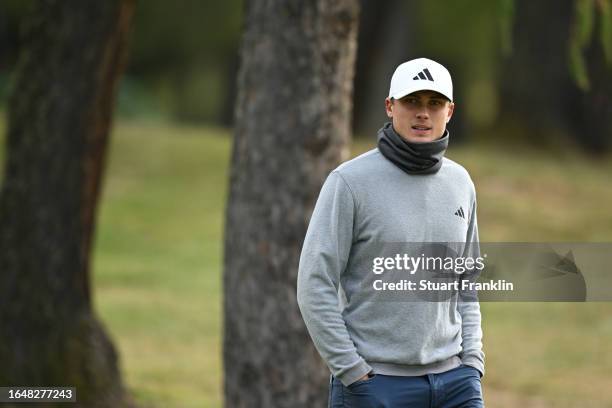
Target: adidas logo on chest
{"type": "Point", "coordinates": [460, 213]}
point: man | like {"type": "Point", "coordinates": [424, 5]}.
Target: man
{"type": "Point", "coordinates": [388, 353]}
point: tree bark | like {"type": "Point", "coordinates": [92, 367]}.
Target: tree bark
{"type": "Point", "coordinates": [537, 75]}
{"type": "Point", "coordinates": [538, 91]}
{"type": "Point", "coordinates": [292, 127]}
{"type": "Point", "coordinates": [387, 37]}
{"type": "Point", "coordinates": [58, 124]}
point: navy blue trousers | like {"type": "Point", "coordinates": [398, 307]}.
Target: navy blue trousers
{"type": "Point", "coordinates": [456, 388]}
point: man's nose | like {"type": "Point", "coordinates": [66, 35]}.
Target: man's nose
{"type": "Point", "coordinates": [422, 114]}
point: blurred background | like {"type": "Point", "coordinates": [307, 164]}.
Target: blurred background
{"type": "Point", "coordinates": [533, 126]}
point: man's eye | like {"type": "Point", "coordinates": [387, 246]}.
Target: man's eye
{"type": "Point", "coordinates": [436, 103]}
{"type": "Point", "coordinates": [412, 101]}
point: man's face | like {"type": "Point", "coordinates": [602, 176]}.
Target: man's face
{"type": "Point", "coordinates": [420, 116]}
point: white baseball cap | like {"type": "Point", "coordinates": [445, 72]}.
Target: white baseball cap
{"type": "Point", "coordinates": [419, 75]}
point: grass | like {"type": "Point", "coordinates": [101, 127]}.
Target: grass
{"type": "Point", "coordinates": [157, 262]}
{"type": "Point", "coordinates": [157, 267]}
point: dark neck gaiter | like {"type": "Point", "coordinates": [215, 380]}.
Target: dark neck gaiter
{"type": "Point", "coordinates": [413, 158]}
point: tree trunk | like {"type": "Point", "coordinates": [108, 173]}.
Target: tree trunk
{"type": "Point", "coordinates": [58, 125]}
{"type": "Point", "coordinates": [386, 39]}
{"type": "Point", "coordinates": [537, 89]}
{"type": "Point", "coordinates": [292, 127]}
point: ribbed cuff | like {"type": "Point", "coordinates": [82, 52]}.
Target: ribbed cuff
{"type": "Point", "coordinates": [354, 373]}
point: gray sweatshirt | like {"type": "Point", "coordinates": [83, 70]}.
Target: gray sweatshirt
{"type": "Point", "coordinates": [363, 203]}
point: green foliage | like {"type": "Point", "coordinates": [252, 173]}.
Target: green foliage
{"type": "Point", "coordinates": [2, 142]}
{"type": "Point", "coordinates": [506, 18]}
{"type": "Point", "coordinates": [578, 66]}
{"type": "Point", "coordinates": [606, 28]}
{"type": "Point", "coordinates": [582, 32]}
{"type": "Point", "coordinates": [3, 90]}
{"type": "Point", "coordinates": [586, 12]}
{"type": "Point", "coordinates": [465, 36]}
{"type": "Point", "coordinates": [584, 16]}
{"type": "Point", "coordinates": [454, 30]}
{"type": "Point", "coordinates": [12, 13]}
{"type": "Point", "coordinates": [135, 100]}
{"type": "Point", "coordinates": [184, 53]}
{"type": "Point", "coordinates": [168, 36]}
{"type": "Point", "coordinates": [182, 56]}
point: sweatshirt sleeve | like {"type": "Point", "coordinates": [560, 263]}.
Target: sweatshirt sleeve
{"type": "Point", "coordinates": [469, 308]}
{"type": "Point", "coordinates": [323, 259]}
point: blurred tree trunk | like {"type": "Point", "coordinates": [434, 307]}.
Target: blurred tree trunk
{"type": "Point", "coordinates": [292, 127]}
{"type": "Point", "coordinates": [58, 124]}
{"type": "Point", "coordinates": [539, 91]}
{"type": "Point", "coordinates": [537, 88]}
{"type": "Point", "coordinates": [386, 39]}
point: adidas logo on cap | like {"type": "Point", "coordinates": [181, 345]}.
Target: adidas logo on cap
{"type": "Point", "coordinates": [424, 74]}
{"type": "Point", "coordinates": [421, 74]}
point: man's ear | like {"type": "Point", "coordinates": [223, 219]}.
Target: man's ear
{"type": "Point", "coordinates": [451, 109]}
{"type": "Point", "coordinates": [389, 107]}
